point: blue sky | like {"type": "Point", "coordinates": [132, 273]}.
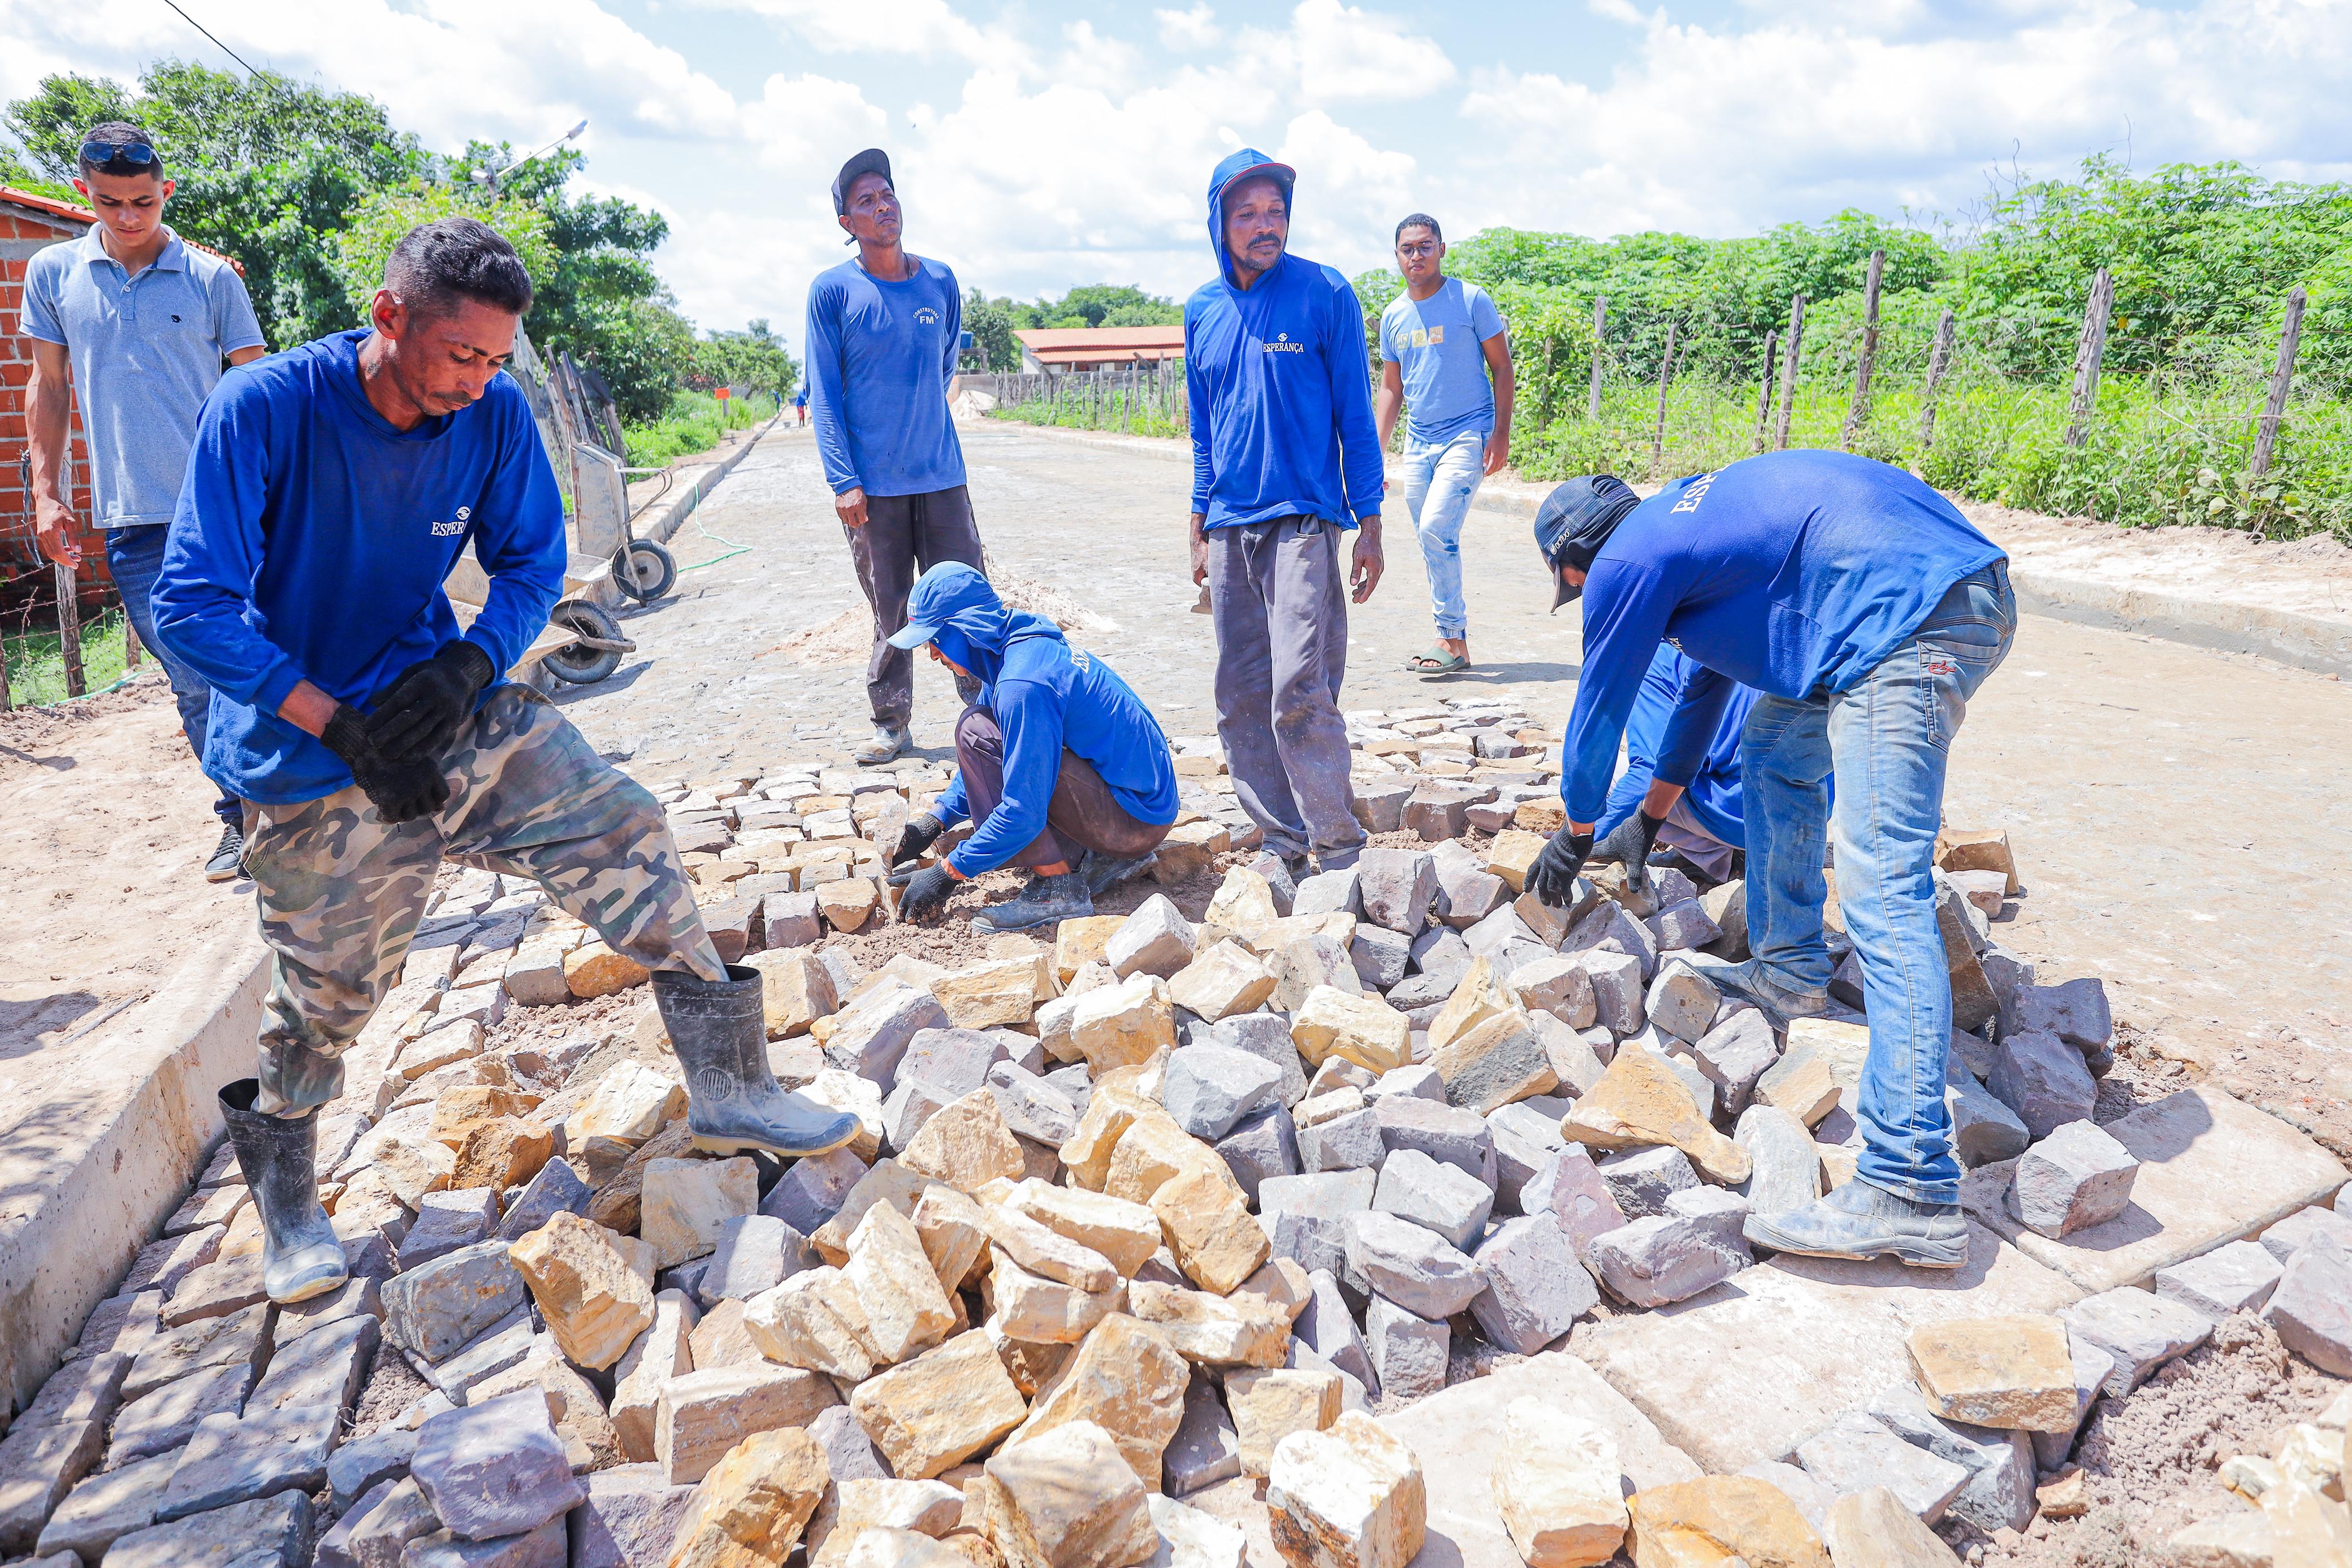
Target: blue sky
{"type": "Point", "coordinates": [1041, 145]}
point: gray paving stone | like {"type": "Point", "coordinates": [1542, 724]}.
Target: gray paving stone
{"type": "Point", "coordinates": [1397, 888]}
{"type": "Point", "coordinates": [2043, 1079]}
{"type": "Point", "coordinates": [1263, 1144]}
{"type": "Point", "coordinates": [362, 1464]}
{"type": "Point", "coordinates": [1534, 1289]}
{"type": "Point", "coordinates": [1683, 1003]}
{"type": "Point", "coordinates": [446, 1221]}
{"type": "Point", "coordinates": [495, 1468]}
{"type": "Point", "coordinates": [556, 1190]}
{"type": "Point", "coordinates": [220, 1286]}
{"type": "Point", "coordinates": [2311, 1307]}
{"type": "Point", "coordinates": [1407, 1351]}
{"type": "Point", "coordinates": [811, 1191]}
{"type": "Point", "coordinates": [954, 1060]}
{"type": "Point", "coordinates": [1380, 956]}
{"type": "Point", "coordinates": [2287, 1237]}
{"type": "Point", "coordinates": [1306, 1217]}
{"type": "Point", "coordinates": [1682, 925]}
{"type": "Point", "coordinates": [1641, 1180]}
{"type": "Point", "coordinates": [2141, 1331]}
{"type": "Point", "coordinates": [2238, 1278]}
{"type": "Point", "coordinates": [874, 1033]}
{"type": "Point", "coordinates": [162, 1265]}
{"type": "Point", "coordinates": [1206, 1449]}
{"type": "Point", "coordinates": [1329, 893]}
{"type": "Point", "coordinates": [1445, 1200]}
{"type": "Point", "coordinates": [1298, 1356]}
{"type": "Point", "coordinates": [1787, 1163]}
{"type": "Point", "coordinates": [1610, 929]}
{"type": "Point", "coordinates": [1266, 1036]}
{"type": "Point", "coordinates": [1031, 1107]}
{"type": "Point", "coordinates": [242, 1335]}
{"type": "Point", "coordinates": [1441, 956]}
{"type": "Point", "coordinates": [1617, 989]}
{"type": "Point", "coordinates": [1411, 1265]}
{"type": "Point", "coordinates": [235, 1459]}
{"type": "Point", "coordinates": [1302, 964]}
{"type": "Point", "coordinates": [755, 1253]}
{"type": "Point", "coordinates": [1673, 1256]}
{"type": "Point", "coordinates": [1208, 1088]}
{"type": "Point", "coordinates": [1421, 1080]}
{"type": "Point", "coordinates": [850, 1455]}
{"type": "Point", "coordinates": [105, 1505]}
{"type": "Point", "coordinates": [547, 1546]}
{"type": "Point", "coordinates": [1999, 1494]}
{"type": "Point", "coordinates": [2077, 1012]}
{"type": "Point", "coordinates": [2076, 1177]}
{"type": "Point", "coordinates": [167, 1417]}
{"type": "Point", "coordinates": [1449, 1134]}
{"type": "Point", "coordinates": [1518, 1162]}
{"type": "Point", "coordinates": [914, 1101]}
{"type": "Point", "coordinates": [434, 1310]}
{"type": "Point", "coordinates": [2091, 1366]}
{"type": "Point", "coordinates": [1570, 1188]}
{"type": "Point", "coordinates": [1346, 1142]}
{"type": "Point", "coordinates": [38, 1465]}
{"type": "Point", "coordinates": [1734, 1054]}
{"type": "Point", "coordinates": [1857, 1452]}
{"type": "Point", "coordinates": [353, 1532]}
{"type": "Point", "coordinates": [89, 1389]}
{"type": "Point", "coordinates": [1326, 1326]}
{"type": "Point", "coordinates": [1984, 1129]}
{"type": "Point", "coordinates": [631, 1517]}
{"type": "Point", "coordinates": [358, 1297]}
{"type": "Point", "coordinates": [271, 1529]}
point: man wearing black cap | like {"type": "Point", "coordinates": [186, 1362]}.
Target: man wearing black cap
{"type": "Point", "coordinates": [1867, 611]}
{"type": "Point", "coordinates": [882, 337]}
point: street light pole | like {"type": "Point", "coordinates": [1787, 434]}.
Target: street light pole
{"type": "Point", "coordinates": [491, 175]}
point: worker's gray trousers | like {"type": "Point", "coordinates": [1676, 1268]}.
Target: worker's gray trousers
{"type": "Point", "coordinates": [904, 537]}
{"type": "Point", "coordinates": [1280, 608]}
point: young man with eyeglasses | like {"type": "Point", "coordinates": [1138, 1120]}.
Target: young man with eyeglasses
{"type": "Point", "coordinates": [1440, 340]}
{"type": "Point", "coordinates": [138, 323]}
{"type": "Point", "coordinates": [883, 331]}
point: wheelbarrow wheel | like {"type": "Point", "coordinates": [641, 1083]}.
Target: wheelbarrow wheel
{"type": "Point", "coordinates": [576, 662]}
{"type": "Point", "coordinates": [644, 571]}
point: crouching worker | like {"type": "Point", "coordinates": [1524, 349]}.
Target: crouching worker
{"type": "Point", "coordinates": [330, 491]}
{"type": "Point", "coordinates": [1695, 827]}
{"type": "Point", "coordinates": [1059, 765]}
{"type": "Point", "coordinates": [1866, 611]}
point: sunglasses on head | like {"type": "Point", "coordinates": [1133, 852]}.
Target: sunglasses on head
{"type": "Point", "coordinates": [134, 156]}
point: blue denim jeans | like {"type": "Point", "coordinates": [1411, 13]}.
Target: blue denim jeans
{"type": "Point", "coordinates": [134, 554]}
{"type": "Point", "coordinates": [1439, 484]}
{"type": "Point", "coordinates": [1886, 740]}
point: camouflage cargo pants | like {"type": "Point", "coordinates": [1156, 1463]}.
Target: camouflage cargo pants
{"type": "Point", "coordinates": [341, 891]}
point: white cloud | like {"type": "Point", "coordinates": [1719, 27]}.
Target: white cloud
{"type": "Point", "coordinates": [1345, 52]}
{"type": "Point", "coordinates": [1194, 29]}
{"type": "Point", "coordinates": [922, 28]}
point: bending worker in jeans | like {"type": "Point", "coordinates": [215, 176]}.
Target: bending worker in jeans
{"type": "Point", "coordinates": [1439, 339]}
{"type": "Point", "coordinates": [1059, 764]}
{"type": "Point", "coordinates": [1867, 611]}
{"type": "Point", "coordinates": [330, 491]}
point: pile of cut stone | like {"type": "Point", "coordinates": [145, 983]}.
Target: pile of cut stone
{"type": "Point", "coordinates": [1153, 1206]}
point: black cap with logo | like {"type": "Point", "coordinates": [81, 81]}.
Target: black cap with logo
{"type": "Point", "coordinates": [873, 161]}
{"type": "Point", "coordinates": [1575, 520]}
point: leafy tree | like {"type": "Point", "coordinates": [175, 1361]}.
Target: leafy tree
{"type": "Point", "coordinates": [754, 357]}
{"type": "Point", "coordinates": [1092, 305]}
{"type": "Point", "coordinates": [990, 321]}
{"type": "Point", "coordinates": [361, 250]}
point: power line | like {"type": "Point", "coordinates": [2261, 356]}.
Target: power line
{"type": "Point", "coordinates": [224, 48]}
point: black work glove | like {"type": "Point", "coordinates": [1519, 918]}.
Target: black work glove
{"type": "Point", "coordinates": [1553, 880]}
{"type": "Point", "coordinates": [1628, 844]}
{"type": "Point", "coordinates": [420, 714]}
{"type": "Point", "coordinates": [921, 831]}
{"type": "Point", "coordinates": [400, 791]}
{"type": "Point", "coordinates": [927, 892]}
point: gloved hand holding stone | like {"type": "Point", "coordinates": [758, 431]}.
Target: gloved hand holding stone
{"type": "Point", "coordinates": [420, 714]}
{"type": "Point", "coordinates": [1628, 844]}
{"type": "Point", "coordinates": [921, 831]}
{"type": "Point", "coordinates": [927, 892]}
{"type": "Point", "coordinates": [1553, 879]}
{"type": "Point", "coordinates": [400, 791]}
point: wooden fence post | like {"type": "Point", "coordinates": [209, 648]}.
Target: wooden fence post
{"type": "Point", "coordinates": [1939, 359]}
{"type": "Point", "coordinates": [2266, 440]}
{"type": "Point", "coordinates": [2089, 350]}
{"type": "Point", "coordinates": [1666, 374]}
{"type": "Point", "coordinates": [1858, 413]}
{"type": "Point", "coordinates": [70, 632]}
{"type": "Point", "coordinates": [1764, 386]}
{"type": "Point", "coordinates": [1599, 319]}
{"type": "Point", "coordinates": [1789, 366]}
{"type": "Point", "coordinates": [130, 642]}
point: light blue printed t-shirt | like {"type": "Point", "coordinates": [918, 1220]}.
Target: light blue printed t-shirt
{"type": "Point", "coordinates": [147, 352]}
{"type": "Point", "coordinates": [1438, 346]}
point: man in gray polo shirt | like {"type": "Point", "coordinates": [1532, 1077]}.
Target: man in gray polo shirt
{"type": "Point", "coordinates": [139, 324]}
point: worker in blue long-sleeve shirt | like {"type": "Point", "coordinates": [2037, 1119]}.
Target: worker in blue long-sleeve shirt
{"type": "Point", "coordinates": [1700, 820]}
{"type": "Point", "coordinates": [1059, 765]}
{"type": "Point", "coordinates": [1285, 460]}
{"type": "Point", "coordinates": [1866, 611]}
{"type": "Point", "coordinates": [329, 492]}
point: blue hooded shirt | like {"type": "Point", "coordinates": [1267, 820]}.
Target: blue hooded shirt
{"type": "Point", "coordinates": [1279, 381]}
{"type": "Point", "coordinates": [1794, 572]}
{"type": "Point", "coordinates": [1047, 697]}
{"type": "Point", "coordinates": [1713, 792]}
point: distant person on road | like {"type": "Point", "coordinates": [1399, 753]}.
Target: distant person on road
{"type": "Point", "coordinates": [138, 323]}
{"type": "Point", "coordinates": [1866, 611]}
{"type": "Point", "coordinates": [1059, 765]}
{"type": "Point", "coordinates": [882, 337]}
{"type": "Point", "coordinates": [800, 404]}
{"type": "Point", "coordinates": [329, 493]}
{"type": "Point", "coordinates": [1285, 460]}
{"type": "Point", "coordinates": [1440, 340]}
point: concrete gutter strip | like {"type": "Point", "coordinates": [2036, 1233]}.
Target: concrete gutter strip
{"type": "Point", "coordinates": [2305, 642]}
{"type": "Point", "coordinates": [90, 1172]}
{"type": "Point", "coordinates": [681, 506]}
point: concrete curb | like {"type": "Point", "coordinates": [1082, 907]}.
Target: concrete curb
{"type": "Point", "coordinates": [2305, 642]}
{"type": "Point", "coordinates": [89, 1175]}
{"type": "Point", "coordinates": [681, 506]}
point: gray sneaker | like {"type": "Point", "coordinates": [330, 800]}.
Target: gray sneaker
{"type": "Point", "coordinates": [888, 741]}
{"type": "Point", "coordinates": [1859, 1220]}
{"type": "Point", "coordinates": [1044, 900]}
{"type": "Point", "coordinates": [1748, 981]}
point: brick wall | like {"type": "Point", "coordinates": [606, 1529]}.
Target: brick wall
{"type": "Point", "coordinates": [21, 230]}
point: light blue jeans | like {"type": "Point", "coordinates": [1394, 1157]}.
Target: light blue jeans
{"type": "Point", "coordinates": [134, 556]}
{"type": "Point", "coordinates": [1439, 483]}
{"type": "Point", "coordinates": [1886, 741]}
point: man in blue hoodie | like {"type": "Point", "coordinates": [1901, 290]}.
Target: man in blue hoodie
{"type": "Point", "coordinates": [1867, 611]}
{"type": "Point", "coordinates": [1286, 459]}
{"type": "Point", "coordinates": [1059, 764]}
{"type": "Point", "coordinates": [330, 491]}
{"type": "Point", "coordinates": [1700, 820]}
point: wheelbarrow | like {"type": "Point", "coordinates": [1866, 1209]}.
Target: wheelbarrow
{"type": "Point", "coordinates": [582, 644]}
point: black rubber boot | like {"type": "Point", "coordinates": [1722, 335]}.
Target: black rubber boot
{"type": "Point", "coordinates": [1045, 899]}
{"type": "Point", "coordinates": [299, 1255]}
{"type": "Point", "coordinates": [719, 1030]}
